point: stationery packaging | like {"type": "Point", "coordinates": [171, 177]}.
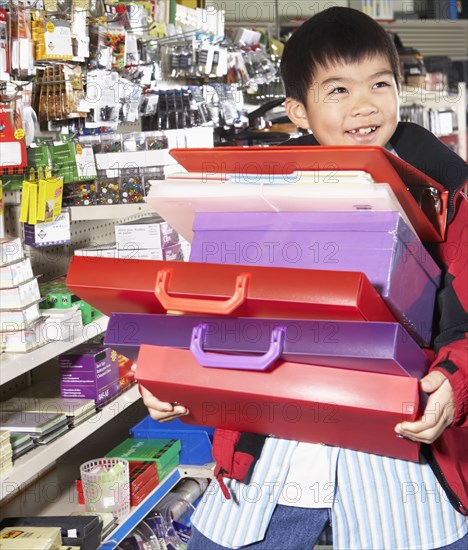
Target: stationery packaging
{"type": "Point", "coordinates": [380, 244]}
{"type": "Point", "coordinates": [151, 286]}
{"type": "Point", "coordinates": [346, 408]}
{"type": "Point", "coordinates": [56, 232]}
{"type": "Point", "coordinates": [131, 251]}
{"type": "Point", "coordinates": [12, 320]}
{"type": "Point", "coordinates": [162, 452]}
{"type": "Point", "coordinates": [89, 372]}
{"type": "Point", "coordinates": [30, 538]}
{"type": "Point", "coordinates": [145, 233]}
{"type": "Point", "coordinates": [34, 423]}
{"type": "Point", "coordinates": [374, 347]}
{"type": "Point", "coordinates": [20, 296]}
{"type": "Point", "coordinates": [84, 532]}
{"type": "Point", "coordinates": [16, 273]}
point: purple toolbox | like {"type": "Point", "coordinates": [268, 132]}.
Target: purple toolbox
{"type": "Point", "coordinates": [380, 244]}
{"type": "Point", "coordinates": [376, 347]}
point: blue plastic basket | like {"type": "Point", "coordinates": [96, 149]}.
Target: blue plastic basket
{"type": "Point", "coordinates": [195, 440]}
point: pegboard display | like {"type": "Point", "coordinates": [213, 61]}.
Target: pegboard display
{"type": "Point", "coordinates": [53, 261]}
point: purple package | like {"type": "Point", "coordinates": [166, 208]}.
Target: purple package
{"type": "Point", "coordinates": [379, 244]}
{"type": "Point", "coordinates": [89, 372]}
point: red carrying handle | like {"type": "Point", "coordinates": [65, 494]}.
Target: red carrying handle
{"type": "Point", "coordinates": [197, 305]}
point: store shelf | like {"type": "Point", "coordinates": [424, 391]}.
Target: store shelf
{"type": "Point", "coordinates": [440, 100]}
{"type": "Point", "coordinates": [107, 212]}
{"type": "Point", "coordinates": [16, 364]}
{"type": "Point", "coordinates": [30, 466]}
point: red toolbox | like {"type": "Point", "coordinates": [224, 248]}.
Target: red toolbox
{"type": "Point", "coordinates": [154, 286]}
{"type": "Point", "coordinates": [346, 408]}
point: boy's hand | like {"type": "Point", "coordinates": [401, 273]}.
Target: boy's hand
{"type": "Point", "coordinates": [438, 414]}
{"type": "Point", "coordinates": [160, 411]}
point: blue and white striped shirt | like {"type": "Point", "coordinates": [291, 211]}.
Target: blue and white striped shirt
{"type": "Point", "coordinates": [378, 503]}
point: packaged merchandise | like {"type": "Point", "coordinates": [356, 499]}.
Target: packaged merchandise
{"type": "Point", "coordinates": [89, 372]}
{"type": "Point", "coordinates": [12, 320]}
{"type": "Point", "coordinates": [145, 233]}
{"type": "Point", "coordinates": [30, 538]}
{"type": "Point", "coordinates": [16, 273]}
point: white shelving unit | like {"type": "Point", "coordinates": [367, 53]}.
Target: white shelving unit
{"type": "Point", "coordinates": [30, 466]}
{"type": "Point", "coordinates": [64, 499]}
{"type": "Point", "coordinates": [42, 481]}
{"type": "Point", "coordinates": [16, 364]}
{"type": "Point", "coordinates": [441, 100]}
{"type": "Point", "coordinates": [107, 212]}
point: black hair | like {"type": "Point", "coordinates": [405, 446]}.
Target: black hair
{"type": "Point", "coordinates": [333, 35]}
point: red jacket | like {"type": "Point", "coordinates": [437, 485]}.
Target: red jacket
{"type": "Point", "coordinates": [448, 455]}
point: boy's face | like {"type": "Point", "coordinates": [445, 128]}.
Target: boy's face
{"type": "Point", "coordinates": [350, 104]}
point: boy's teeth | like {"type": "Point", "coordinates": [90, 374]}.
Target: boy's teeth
{"type": "Point", "coordinates": [363, 131]}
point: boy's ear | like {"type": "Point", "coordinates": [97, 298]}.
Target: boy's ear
{"type": "Point", "coordinates": [296, 112]}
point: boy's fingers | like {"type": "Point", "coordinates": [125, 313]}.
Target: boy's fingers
{"type": "Point", "coordinates": [428, 428]}
{"type": "Point", "coordinates": [153, 402]}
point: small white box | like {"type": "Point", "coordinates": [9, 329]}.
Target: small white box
{"type": "Point", "coordinates": [50, 233]}
{"type": "Point", "coordinates": [63, 324]}
{"type": "Point", "coordinates": [170, 253]}
{"type": "Point", "coordinates": [145, 233]}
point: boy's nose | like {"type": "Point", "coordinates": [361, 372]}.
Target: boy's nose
{"type": "Point", "coordinates": [363, 106]}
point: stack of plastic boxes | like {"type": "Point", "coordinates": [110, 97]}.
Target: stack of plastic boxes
{"type": "Point", "coordinates": [315, 342]}
{"type": "Point", "coordinates": [21, 326]}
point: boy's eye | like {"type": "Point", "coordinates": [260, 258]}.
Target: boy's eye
{"type": "Point", "coordinates": [338, 90]}
{"type": "Point", "coordinates": [382, 84]}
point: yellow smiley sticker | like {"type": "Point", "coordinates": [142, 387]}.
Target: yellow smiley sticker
{"type": "Point", "coordinates": [50, 26]}
{"type": "Point", "coordinates": [19, 133]}
{"type": "Point", "coordinates": [79, 149]}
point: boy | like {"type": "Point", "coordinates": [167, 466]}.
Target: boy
{"type": "Point", "coordinates": [341, 73]}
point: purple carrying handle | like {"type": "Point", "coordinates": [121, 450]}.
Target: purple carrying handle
{"type": "Point", "coordinates": [239, 362]}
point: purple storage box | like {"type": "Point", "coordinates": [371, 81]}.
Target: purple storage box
{"type": "Point", "coordinates": [257, 343]}
{"type": "Point", "coordinates": [380, 244]}
{"type": "Point", "coordinates": [89, 373]}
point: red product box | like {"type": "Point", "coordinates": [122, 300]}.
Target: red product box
{"type": "Point", "coordinates": [126, 374]}
{"type": "Point", "coordinates": [141, 474]}
{"type": "Point", "coordinates": [137, 498]}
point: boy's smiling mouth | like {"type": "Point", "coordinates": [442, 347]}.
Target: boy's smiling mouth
{"type": "Point", "coordinates": [364, 131]}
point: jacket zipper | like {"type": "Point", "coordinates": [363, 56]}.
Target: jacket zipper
{"type": "Point", "coordinates": [427, 453]}
{"type": "Point", "coordinates": [450, 208]}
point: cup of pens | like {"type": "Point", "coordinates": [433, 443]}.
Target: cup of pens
{"type": "Point", "coordinates": [106, 485]}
